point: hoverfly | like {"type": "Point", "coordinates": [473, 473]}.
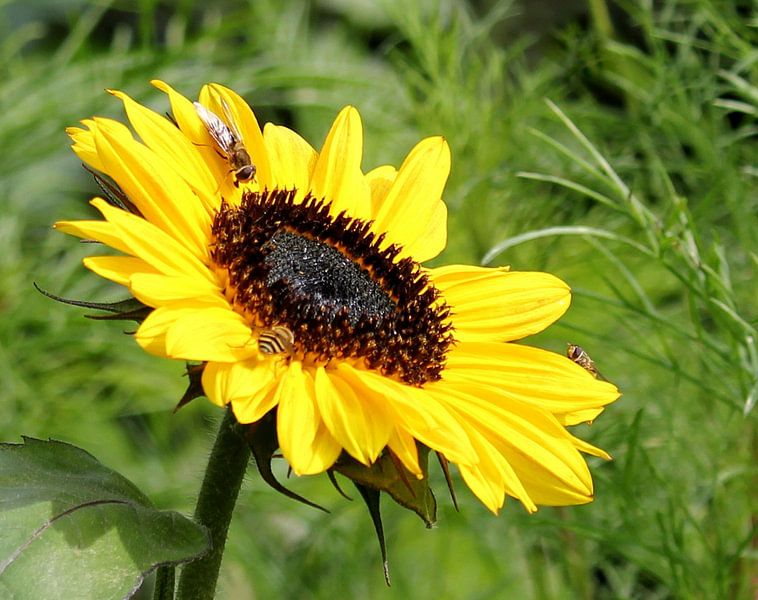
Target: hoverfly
{"type": "Point", "coordinates": [229, 141]}
{"type": "Point", "coordinates": [580, 357]}
{"type": "Point", "coordinates": [276, 340]}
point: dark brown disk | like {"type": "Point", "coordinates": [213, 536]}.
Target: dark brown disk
{"type": "Point", "coordinates": [330, 282]}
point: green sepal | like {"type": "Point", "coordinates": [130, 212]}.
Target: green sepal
{"type": "Point", "coordinates": [130, 309]}
{"type": "Point", "coordinates": [194, 387]}
{"type": "Point", "coordinates": [125, 310]}
{"type": "Point", "coordinates": [114, 195]}
{"type": "Point", "coordinates": [389, 475]}
{"type": "Point", "coordinates": [445, 466]}
{"type": "Point", "coordinates": [372, 499]}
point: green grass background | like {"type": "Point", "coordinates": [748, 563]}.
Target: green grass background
{"type": "Point", "coordinates": [612, 145]}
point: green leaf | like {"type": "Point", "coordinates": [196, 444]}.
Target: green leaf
{"type": "Point", "coordinates": [72, 528]}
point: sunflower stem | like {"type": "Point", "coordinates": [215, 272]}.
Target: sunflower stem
{"type": "Point", "coordinates": [164, 583]}
{"type": "Point", "coordinates": [215, 503]}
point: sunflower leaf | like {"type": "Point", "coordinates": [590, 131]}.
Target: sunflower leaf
{"type": "Point", "coordinates": [72, 528]}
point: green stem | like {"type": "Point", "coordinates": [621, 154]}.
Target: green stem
{"type": "Point", "coordinates": [215, 503]}
{"type": "Point", "coordinates": [164, 584]}
{"type": "Point", "coordinates": [601, 19]}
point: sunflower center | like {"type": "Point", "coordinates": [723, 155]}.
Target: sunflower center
{"type": "Point", "coordinates": [332, 283]}
{"type": "Point", "coordinates": [303, 270]}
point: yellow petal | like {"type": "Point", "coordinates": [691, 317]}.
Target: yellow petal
{"type": "Point", "coordinates": [360, 426]}
{"type": "Point", "coordinates": [183, 112]}
{"type": "Point", "coordinates": [248, 385]}
{"type": "Point", "coordinates": [117, 268]}
{"type": "Point", "coordinates": [305, 443]}
{"type": "Point", "coordinates": [450, 275]}
{"type": "Point", "coordinates": [191, 125]}
{"type": "Point", "coordinates": [84, 144]}
{"type": "Point", "coordinates": [491, 463]}
{"type": "Point", "coordinates": [380, 182]}
{"type": "Point", "coordinates": [101, 231]}
{"type": "Point", "coordinates": [215, 96]}
{"type": "Point", "coordinates": [411, 209]}
{"type": "Point", "coordinates": [293, 157]}
{"type": "Point", "coordinates": [145, 240]}
{"type": "Point", "coordinates": [541, 378]}
{"type": "Point", "coordinates": [337, 175]}
{"type": "Point", "coordinates": [168, 142]}
{"type": "Point", "coordinates": [156, 289]}
{"type": "Point", "coordinates": [417, 412]}
{"type": "Point", "coordinates": [213, 334]}
{"type": "Point", "coordinates": [151, 335]}
{"type": "Point", "coordinates": [433, 239]}
{"type": "Point", "coordinates": [588, 448]}
{"type": "Point", "coordinates": [485, 478]}
{"type": "Point", "coordinates": [502, 305]}
{"type": "Point", "coordinates": [173, 146]}
{"type": "Point", "coordinates": [540, 451]}
{"type": "Point", "coordinates": [404, 447]}
{"type": "Point", "coordinates": [587, 415]}
{"type": "Point", "coordinates": [154, 187]}
{"type": "Point", "coordinates": [551, 489]}
{"type": "Point", "coordinates": [84, 139]}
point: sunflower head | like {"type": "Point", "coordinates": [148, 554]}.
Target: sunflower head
{"type": "Point", "coordinates": [294, 284]}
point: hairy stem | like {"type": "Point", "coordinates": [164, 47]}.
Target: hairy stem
{"type": "Point", "coordinates": [215, 503]}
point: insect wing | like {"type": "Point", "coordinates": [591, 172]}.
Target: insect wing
{"type": "Point", "coordinates": [218, 130]}
{"type": "Point", "coordinates": [231, 121]}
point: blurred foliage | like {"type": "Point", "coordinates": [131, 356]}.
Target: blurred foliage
{"type": "Point", "coordinates": [650, 139]}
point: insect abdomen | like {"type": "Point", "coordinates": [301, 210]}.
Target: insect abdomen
{"type": "Point", "coordinates": [276, 340]}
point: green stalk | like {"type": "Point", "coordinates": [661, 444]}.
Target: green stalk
{"type": "Point", "coordinates": [620, 65]}
{"type": "Point", "coordinates": [601, 19]}
{"type": "Point", "coordinates": [215, 503]}
{"type": "Point", "coordinates": [164, 584]}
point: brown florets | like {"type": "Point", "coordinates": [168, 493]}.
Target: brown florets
{"type": "Point", "coordinates": [328, 280]}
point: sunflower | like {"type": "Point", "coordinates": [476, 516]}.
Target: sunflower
{"type": "Point", "coordinates": [301, 293]}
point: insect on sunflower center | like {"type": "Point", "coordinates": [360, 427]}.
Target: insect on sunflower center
{"type": "Point", "coordinates": [321, 287]}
